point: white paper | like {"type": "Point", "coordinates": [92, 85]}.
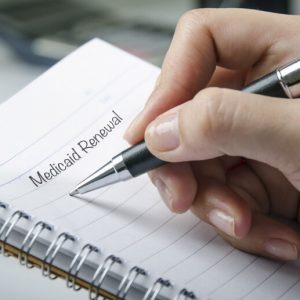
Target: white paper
{"type": "Point", "coordinates": [42, 126]}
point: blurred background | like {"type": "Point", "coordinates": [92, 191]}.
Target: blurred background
{"type": "Point", "coordinates": [34, 34]}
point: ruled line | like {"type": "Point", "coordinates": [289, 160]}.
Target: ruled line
{"type": "Point", "coordinates": [289, 289]}
{"type": "Point", "coordinates": [32, 191]}
{"type": "Point", "coordinates": [60, 197]}
{"type": "Point", "coordinates": [263, 281]}
{"type": "Point", "coordinates": [88, 202]}
{"type": "Point", "coordinates": [50, 202]}
{"type": "Point", "coordinates": [129, 223]}
{"type": "Point", "coordinates": [112, 210]}
{"type": "Point", "coordinates": [172, 243]}
{"type": "Point", "coordinates": [121, 99]}
{"type": "Point", "coordinates": [234, 276]}
{"type": "Point", "coordinates": [148, 234]}
{"type": "Point", "coordinates": [192, 254]}
{"type": "Point", "coordinates": [78, 109]}
{"type": "Point", "coordinates": [210, 267]}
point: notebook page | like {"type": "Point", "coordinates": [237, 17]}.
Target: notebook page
{"type": "Point", "coordinates": [69, 122]}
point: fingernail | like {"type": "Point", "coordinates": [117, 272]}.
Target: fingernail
{"type": "Point", "coordinates": [222, 221]}
{"type": "Point", "coordinates": [163, 132]}
{"type": "Point", "coordinates": [164, 191]}
{"type": "Point", "coordinates": [128, 133]}
{"type": "Point", "coordinates": [281, 249]}
{"type": "Point", "coordinates": [135, 123]}
{"type": "Point", "coordinates": [154, 92]}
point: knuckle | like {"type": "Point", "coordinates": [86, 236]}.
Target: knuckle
{"type": "Point", "coordinates": [215, 120]}
{"type": "Point", "coordinates": [154, 174]}
{"type": "Point", "coordinates": [188, 17]}
{"type": "Point", "coordinates": [194, 17]}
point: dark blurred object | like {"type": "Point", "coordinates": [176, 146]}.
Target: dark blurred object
{"type": "Point", "coordinates": [280, 6]}
{"type": "Point", "coordinates": [43, 31]}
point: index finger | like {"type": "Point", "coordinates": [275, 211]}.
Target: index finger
{"type": "Point", "coordinates": [205, 38]}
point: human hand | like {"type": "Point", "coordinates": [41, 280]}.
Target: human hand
{"type": "Point", "coordinates": [237, 155]}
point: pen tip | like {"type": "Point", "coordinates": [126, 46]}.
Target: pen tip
{"type": "Point", "coordinates": [74, 192]}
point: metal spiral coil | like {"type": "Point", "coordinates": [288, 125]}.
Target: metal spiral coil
{"type": "Point", "coordinates": [77, 264]}
{"type": "Point", "coordinates": [52, 251]}
{"type": "Point", "coordinates": [3, 205]}
{"type": "Point", "coordinates": [185, 295]}
{"type": "Point", "coordinates": [79, 260]}
{"type": "Point", "coordinates": [128, 281]}
{"type": "Point", "coordinates": [100, 275]}
{"type": "Point", "coordinates": [8, 226]}
{"type": "Point", "coordinates": [30, 240]}
{"type": "Point", "coordinates": [153, 292]}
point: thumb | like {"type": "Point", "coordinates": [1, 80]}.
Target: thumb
{"type": "Point", "coordinates": [226, 122]}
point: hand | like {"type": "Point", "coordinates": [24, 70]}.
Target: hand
{"type": "Point", "coordinates": [237, 155]}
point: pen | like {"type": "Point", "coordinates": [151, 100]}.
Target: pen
{"type": "Point", "coordinates": [284, 82]}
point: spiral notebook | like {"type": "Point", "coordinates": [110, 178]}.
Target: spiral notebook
{"type": "Point", "coordinates": [118, 242]}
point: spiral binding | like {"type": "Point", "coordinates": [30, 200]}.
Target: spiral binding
{"type": "Point", "coordinates": [128, 280]}
{"type": "Point", "coordinates": [185, 294]}
{"type": "Point", "coordinates": [100, 275]}
{"type": "Point", "coordinates": [3, 205]}
{"type": "Point", "coordinates": [78, 261]}
{"type": "Point", "coordinates": [155, 289]}
{"type": "Point", "coordinates": [52, 251]}
{"type": "Point", "coordinates": [29, 241]}
{"type": "Point", "coordinates": [8, 226]}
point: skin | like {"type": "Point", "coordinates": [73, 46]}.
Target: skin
{"type": "Point", "coordinates": [236, 155]}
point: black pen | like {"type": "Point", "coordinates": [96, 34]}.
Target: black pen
{"type": "Point", "coordinates": [284, 82]}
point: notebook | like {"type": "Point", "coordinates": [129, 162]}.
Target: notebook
{"type": "Point", "coordinates": [119, 242]}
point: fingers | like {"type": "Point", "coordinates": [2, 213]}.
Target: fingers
{"type": "Point", "coordinates": [219, 206]}
{"type": "Point", "coordinates": [221, 78]}
{"type": "Point", "coordinates": [249, 187]}
{"type": "Point", "coordinates": [226, 122]}
{"type": "Point", "coordinates": [231, 200]}
{"type": "Point", "coordinates": [284, 198]}
{"type": "Point", "coordinates": [269, 238]}
{"type": "Point", "coordinates": [231, 79]}
{"type": "Point", "coordinates": [236, 216]}
{"type": "Point", "coordinates": [204, 39]}
{"type": "Point", "coordinates": [176, 184]}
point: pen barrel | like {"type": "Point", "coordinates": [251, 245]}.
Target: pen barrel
{"type": "Point", "coordinates": [268, 85]}
{"type": "Point", "coordinates": [138, 160]}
